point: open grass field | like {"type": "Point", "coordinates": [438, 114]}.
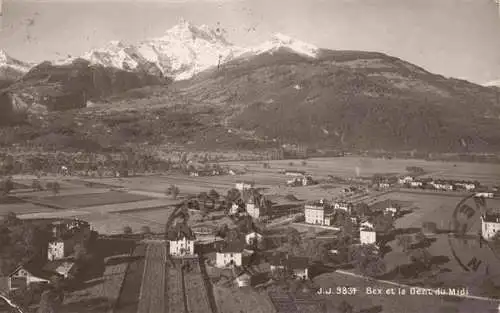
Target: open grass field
{"type": "Point", "coordinates": [396, 304]}
{"type": "Point", "coordinates": [23, 208]}
{"type": "Point", "coordinates": [358, 166]}
{"type": "Point", "coordinates": [93, 199]}
{"type": "Point", "coordinates": [246, 300]}
{"type": "Point", "coordinates": [132, 207]}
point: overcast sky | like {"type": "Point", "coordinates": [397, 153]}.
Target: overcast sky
{"type": "Point", "coordinates": [459, 38]}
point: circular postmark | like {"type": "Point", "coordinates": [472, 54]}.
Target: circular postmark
{"type": "Point", "coordinates": [471, 238]}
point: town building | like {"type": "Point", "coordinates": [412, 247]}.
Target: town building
{"type": "Point", "coordinates": [392, 211]}
{"type": "Point", "coordinates": [242, 186]}
{"type": "Point", "coordinates": [416, 184]}
{"type": "Point", "coordinates": [344, 206]}
{"type": "Point", "coordinates": [255, 206]}
{"type": "Point", "coordinates": [60, 249]}
{"type": "Point", "coordinates": [405, 180]}
{"type": "Point", "coordinates": [384, 185]}
{"type": "Point", "coordinates": [230, 254]}
{"type": "Point", "coordinates": [319, 213]}
{"type": "Point", "coordinates": [367, 236]}
{"type": "Point", "coordinates": [490, 225]}
{"type": "Point", "coordinates": [469, 186]}
{"type": "Point", "coordinates": [181, 241]}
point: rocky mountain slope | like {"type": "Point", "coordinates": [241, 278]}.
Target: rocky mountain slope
{"type": "Point", "coordinates": [11, 69]}
{"type": "Point", "coordinates": [350, 99]}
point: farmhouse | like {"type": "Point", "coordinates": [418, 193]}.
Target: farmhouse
{"type": "Point", "coordinates": [442, 185]}
{"type": "Point", "coordinates": [319, 213]}
{"type": "Point", "coordinates": [485, 195]}
{"type": "Point", "coordinates": [490, 225]}
{"type": "Point", "coordinates": [241, 186]}
{"type": "Point", "coordinates": [230, 254]}
{"type": "Point", "coordinates": [27, 274]}
{"type": "Point", "coordinates": [466, 185]}
{"type": "Point", "coordinates": [384, 185]}
{"type": "Point", "coordinates": [343, 206]}
{"type": "Point", "coordinates": [181, 240]}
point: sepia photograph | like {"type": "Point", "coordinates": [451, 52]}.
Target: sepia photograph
{"type": "Point", "coordinates": [249, 156]}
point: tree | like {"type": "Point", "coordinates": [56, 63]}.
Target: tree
{"type": "Point", "coordinates": [421, 256]}
{"type": "Point", "coordinates": [146, 230]}
{"type": "Point", "coordinates": [383, 223]}
{"type": "Point", "coordinates": [318, 251]}
{"type": "Point", "coordinates": [50, 301]}
{"type": "Point", "coordinates": [127, 230]}
{"type": "Point", "coordinates": [11, 219]}
{"type": "Point", "coordinates": [294, 240]}
{"type": "Point", "coordinates": [233, 194]}
{"type": "Point", "coordinates": [362, 209]}
{"type": "Point", "coordinates": [172, 191]}
{"type": "Point", "coordinates": [429, 227]}
{"type": "Point", "coordinates": [405, 242]}
{"type": "Point", "coordinates": [366, 259]}
{"type": "Point", "coordinates": [7, 185]}
{"type": "Point", "coordinates": [203, 197]}
{"type": "Point", "coordinates": [54, 187]}
{"type": "Point", "coordinates": [223, 231]}
{"type": "Point", "coordinates": [214, 196]}
{"type": "Point", "coordinates": [80, 252]}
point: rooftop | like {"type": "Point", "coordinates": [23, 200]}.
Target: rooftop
{"type": "Point", "coordinates": [180, 231]}
{"type": "Point", "coordinates": [232, 247]}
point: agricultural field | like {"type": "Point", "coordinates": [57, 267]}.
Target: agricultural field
{"type": "Point", "coordinates": [129, 297]}
{"type": "Point", "coordinates": [196, 293]}
{"type": "Point", "coordinates": [359, 166]}
{"type": "Point", "coordinates": [23, 208]}
{"type": "Point", "coordinates": [174, 293]}
{"type": "Point", "coordinates": [99, 294]}
{"type": "Point", "coordinates": [132, 207]}
{"type": "Point", "coordinates": [152, 292]}
{"type": "Point", "coordinates": [92, 199]}
{"type": "Point", "coordinates": [112, 224]}
{"type": "Point", "coordinates": [246, 300]}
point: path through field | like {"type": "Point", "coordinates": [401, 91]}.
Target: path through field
{"type": "Point", "coordinates": [152, 294]}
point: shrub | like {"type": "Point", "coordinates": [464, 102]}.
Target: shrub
{"type": "Point", "coordinates": [127, 230]}
{"type": "Point", "coordinates": [146, 230]}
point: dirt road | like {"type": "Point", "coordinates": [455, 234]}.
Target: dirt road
{"type": "Point", "coordinates": [152, 294]}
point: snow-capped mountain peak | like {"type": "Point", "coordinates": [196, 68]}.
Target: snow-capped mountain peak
{"type": "Point", "coordinates": [279, 40]}
{"type": "Point", "coordinates": [187, 49]}
{"type": "Point", "coordinates": [8, 62]}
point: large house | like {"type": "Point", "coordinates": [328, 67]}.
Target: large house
{"type": "Point", "coordinates": [405, 180]}
{"type": "Point", "coordinates": [230, 254]}
{"type": "Point", "coordinates": [343, 206]}
{"type": "Point", "coordinates": [367, 233]}
{"type": "Point", "coordinates": [60, 249]}
{"type": "Point", "coordinates": [319, 213]}
{"type": "Point", "coordinates": [27, 274]}
{"type": "Point", "coordinates": [181, 241]}
{"type": "Point", "coordinates": [255, 206]}
{"type": "Point", "coordinates": [490, 225]}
